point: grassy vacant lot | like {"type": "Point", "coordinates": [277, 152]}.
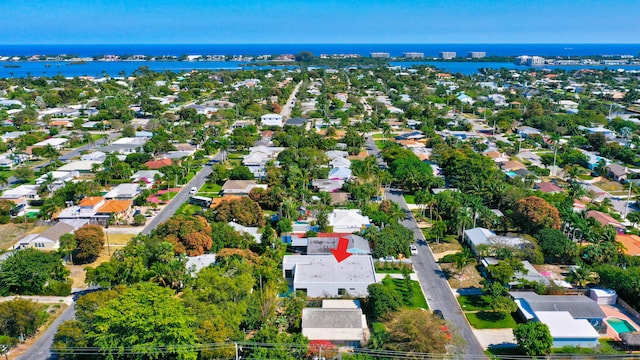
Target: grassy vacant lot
{"type": "Point", "coordinates": [389, 136]}
{"type": "Point", "coordinates": [417, 301]}
{"type": "Point", "coordinates": [188, 209]}
{"type": "Point", "coordinates": [474, 302]}
{"type": "Point", "coordinates": [210, 188]}
{"type": "Point", "coordinates": [490, 320]}
{"type": "Point", "coordinates": [410, 199]}
{"type": "Point", "coordinates": [608, 185]}
{"type": "Point", "coordinates": [10, 233]}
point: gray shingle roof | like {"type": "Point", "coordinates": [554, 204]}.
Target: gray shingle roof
{"type": "Point", "coordinates": [332, 318]}
{"type": "Point", "coordinates": [580, 307]}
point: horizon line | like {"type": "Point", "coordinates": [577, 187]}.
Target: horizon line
{"type": "Point", "coordinates": [333, 43]}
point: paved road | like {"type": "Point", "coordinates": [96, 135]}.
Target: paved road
{"type": "Point", "coordinates": [286, 109]}
{"type": "Point", "coordinates": [41, 349]}
{"type": "Point", "coordinates": [197, 181]}
{"type": "Point", "coordinates": [434, 283]}
{"type": "Point", "coordinates": [432, 279]}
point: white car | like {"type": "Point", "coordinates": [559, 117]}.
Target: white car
{"type": "Point", "coordinates": [193, 190]}
{"type": "Point", "coordinates": [414, 250]}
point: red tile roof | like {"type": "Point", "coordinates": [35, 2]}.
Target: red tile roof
{"type": "Point", "coordinates": [157, 164]}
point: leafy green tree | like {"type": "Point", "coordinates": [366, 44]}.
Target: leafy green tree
{"type": "Point", "coordinates": [383, 299]}
{"type": "Point", "coordinates": [139, 219]}
{"type": "Point", "coordinates": [241, 172]}
{"type": "Point", "coordinates": [24, 173]}
{"type": "Point", "coordinates": [33, 272]}
{"type": "Point", "coordinates": [21, 317]}
{"type": "Point", "coordinates": [533, 338]}
{"type": "Point", "coordinates": [556, 246]}
{"type": "Point", "coordinates": [392, 240]}
{"type": "Point", "coordinates": [146, 319]}
{"type": "Point", "coordinates": [284, 225]}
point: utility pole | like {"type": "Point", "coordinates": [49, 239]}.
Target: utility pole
{"type": "Point", "coordinates": [626, 207]}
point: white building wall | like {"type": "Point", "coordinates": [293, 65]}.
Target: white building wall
{"type": "Point", "coordinates": [316, 289]}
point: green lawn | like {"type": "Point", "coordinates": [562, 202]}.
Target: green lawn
{"type": "Point", "coordinates": [211, 187]}
{"type": "Point", "coordinates": [380, 136]}
{"type": "Point", "coordinates": [487, 320]}
{"type": "Point", "coordinates": [410, 199]}
{"type": "Point", "coordinates": [607, 346]}
{"type": "Point", "coordinates": [473, 302]}
{"type": "Point", "coordinates": [380, 144]}
{"type": "Point", "coordinates": [188, 209]}
{"type": "Point", "coordinates": [417, 301]}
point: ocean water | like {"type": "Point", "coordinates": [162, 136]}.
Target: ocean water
{"type": "Point", "coordinates": [362, 49]}
{"type": "Point", "coordinates": [99, 69]}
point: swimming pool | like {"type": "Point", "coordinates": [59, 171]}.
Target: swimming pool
{"type": "Point", "coordinates": [620, 325]}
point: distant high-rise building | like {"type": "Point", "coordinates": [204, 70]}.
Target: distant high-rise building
{"type": "Point", "coordinates": [477, 54]}
{"type": "Point", "coordinates": [380, 55]}
{"type": "Point", "coordinates": [530, 60]}
{"type": "Point", "coordinates": [413, 55]}
{"type": "Point", "coordinates": [448, 55]}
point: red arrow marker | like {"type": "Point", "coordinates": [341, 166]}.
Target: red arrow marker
{"type": "Point", "coordinates": [341, 252]}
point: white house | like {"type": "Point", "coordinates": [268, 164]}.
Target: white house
{"type": "Point", "coordinates": [123, 192]}
{"type": "Point", "coordinates": [56, 143]}
{"type": "Point", "coordinates": [323, 276]}
{"type": "Point", "coordinates": [271, 120]}
{"type": "Point", "coordinates": [573, 320]}
{"type": "Point", "coordinates": [348, 220]}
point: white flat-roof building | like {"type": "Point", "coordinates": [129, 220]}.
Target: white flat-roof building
{"type": "Point", "coordinates": [271, 120]}
{"type": "Point", "coordinates": [448, 55]}
{"type": "Point", "coordinates": [324, 276]}
{"type": "Point", "coordinates": [56, 143]}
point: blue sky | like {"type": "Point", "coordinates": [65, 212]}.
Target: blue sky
{"type": "Point", "coordinates": [318, 21]}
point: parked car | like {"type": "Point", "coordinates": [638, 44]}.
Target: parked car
{"type": "Point", "coordinates": [438, 313]}
{"type": "Point", "coordinates": [414, 250]}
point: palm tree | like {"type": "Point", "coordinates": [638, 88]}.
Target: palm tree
{"type": "Point", "coordinates": [634, 217]}
{"type": "Point", "coordinates": [463, 219]}
{"type": "Point", "coordinates": [465, 258]}
{"type": "Point", "coordinates": [601, 167]}
{"type": "Point", "coordinates": [438, 228]}
{"type": "Point", "coordinates": [4, 179]}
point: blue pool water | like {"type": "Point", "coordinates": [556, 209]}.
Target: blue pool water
{"type": "Point", "coordinates": [621, 325]}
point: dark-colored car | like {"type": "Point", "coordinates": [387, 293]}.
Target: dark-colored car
{"type": "Point", "coordinates": [438, 313]}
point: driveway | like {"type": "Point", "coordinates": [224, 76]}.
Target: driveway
{"type": "Point", "coordinates": [495, 338]}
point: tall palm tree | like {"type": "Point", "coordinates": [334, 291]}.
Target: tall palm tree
{"type": "Point", "coordinates": [634, 217]}
{"type": "Point", "coordinates": [4, 179]}
{"type": "Point", "coordinates": [438, 228]}
{"type": "Point", "coordinates": [555, 137]}
{"type": "Point", "coordinates": [463, 219]}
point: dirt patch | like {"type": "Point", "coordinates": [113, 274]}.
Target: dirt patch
{"type": "Point", "coordinates": [116, 241]}
{"type": "Point", "coordinates": [444, 247]}
{"type": "Point", "coordinates": [465, 278]}
{"type": "Point", "coordinates": [439, 256]}
{"type": "Point", "coordinates": [10, 233]}
{"type": "Point", "coordinates": [608, 185]}
{"type": "Point", "coordinates": [553, 272]}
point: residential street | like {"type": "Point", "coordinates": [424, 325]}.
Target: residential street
{"type": "Point", "coordinates": [434, 283]}
{"type": "Point", "coordinates": [198, 180]}
{"type": "Point", "coordinates": [431, 278]}
{"type": "Point", "coordinates": [41, 349]}
{"type": "Point", "coordinates": [286, 109]}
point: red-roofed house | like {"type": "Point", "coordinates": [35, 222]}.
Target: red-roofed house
{"type": "Point", "coordinates": [157, 164]}
{"type": "Point", "coordinates": [630, 242]}
{"type": "Point", "coordinates": [548, 187]}
{"type": "Point", "coordinates": [604, 219]}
